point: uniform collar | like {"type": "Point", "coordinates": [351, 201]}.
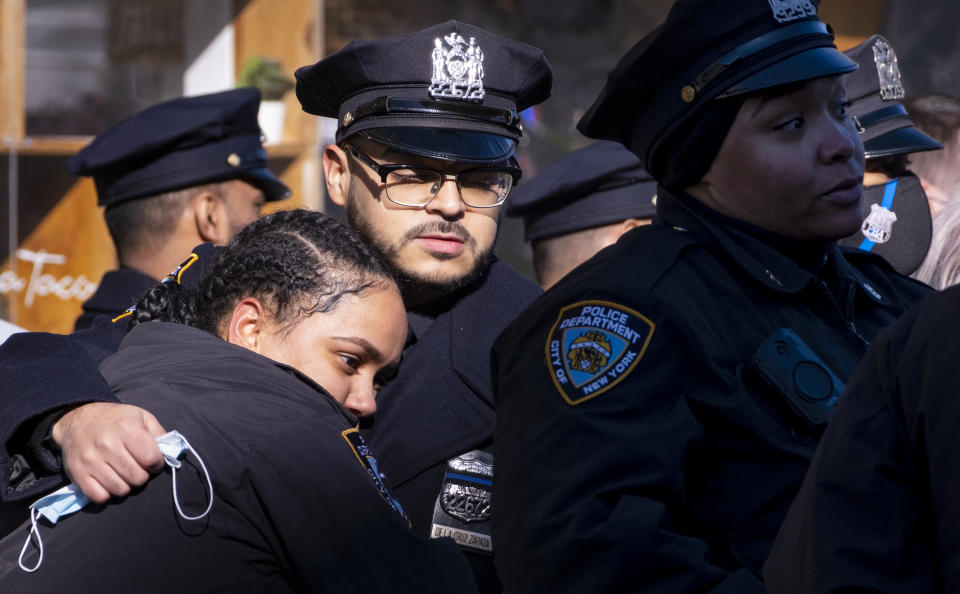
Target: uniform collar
{"type": "Point", "coordinates": [421, 318]}
{"type": "Point", "coordinates": [772, 260]}
{"type": "Point", "coordinates": [118, 290]}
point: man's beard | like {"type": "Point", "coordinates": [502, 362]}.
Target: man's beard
{"type": "Point", "coordinates": [413, 286]}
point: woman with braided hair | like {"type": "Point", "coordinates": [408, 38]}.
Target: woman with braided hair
{"type": "Point", "coordinates": [265, 369]}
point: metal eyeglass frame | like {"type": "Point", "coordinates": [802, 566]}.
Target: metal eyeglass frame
{"type": "Point", "coordinates": [384, 170]}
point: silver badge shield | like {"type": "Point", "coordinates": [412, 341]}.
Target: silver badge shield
{"type": "Point", "coordinates": [463, 509]}
{"type": "Point", "coordinates": [888, 71]}
{"type": "Point", "coordinates": [457, 68]}
{"type": "Point", "coordinates": [790, 10]}
{"type": "Point", "coordinates": [878, 226]}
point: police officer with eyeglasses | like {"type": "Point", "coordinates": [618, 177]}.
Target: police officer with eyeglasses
{"type": "Point", "coordinates": [416, 186]}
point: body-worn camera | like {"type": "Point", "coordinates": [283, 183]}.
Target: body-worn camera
{"type": "Point", "coordinates": [810, 389]}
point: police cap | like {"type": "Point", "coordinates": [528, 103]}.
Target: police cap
{"type": "Point", "coordinates": [453, 91]}
{"type": "Point", "coordinates": [178, 144]}
{"type": "Point", "coordinates": [600, 184]}
{"type": "Point", "coordinates": [874, 91]}
{"type": "Point", "coordinates": [704, 50]}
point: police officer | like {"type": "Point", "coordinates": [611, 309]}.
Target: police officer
{"type": "Point", "coordinates": [878, 508]}
{"type": "Point", "coordinates": [580, 204]}
{"type": "Point", "coordinates": [897, 222]}
{"type": "Point", "coordinates": [657, 408]}
{"type": "Point", "coordinates": [427, 126]}
{"type": "Point", "coordinates": [177, 174]}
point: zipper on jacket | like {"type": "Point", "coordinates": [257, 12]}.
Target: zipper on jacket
{"type": "Point", "coordinates": [851, 295]}
{"type": "Point", "coordinates": [845, 312]}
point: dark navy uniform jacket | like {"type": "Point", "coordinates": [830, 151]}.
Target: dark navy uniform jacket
{"type": "Point", "coordinates": [296, 505]}
{"type": "Point", "coordinates": [439, 406]}
{"type": "Point", "coordinates": [118, 290]}
{"type": "Point", "coordinates": [878, 510]}
{"type": "Point", "coordinates": [633, 453]}
{"type": "Point", "coordinates": [441, 403]}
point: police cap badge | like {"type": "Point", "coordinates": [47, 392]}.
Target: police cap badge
{"type": "Point", "coordinates": [452, 91]}
{"type": "Point", "coordinates": [707, 49]}
{"type": "Point", "coordinates": [874, 92]}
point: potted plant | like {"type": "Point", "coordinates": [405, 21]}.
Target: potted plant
{"type": "Point", "coordinates": [267, 75]}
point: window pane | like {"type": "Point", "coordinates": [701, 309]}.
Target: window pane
{"type": "Point", "coordinates": [90, 63]}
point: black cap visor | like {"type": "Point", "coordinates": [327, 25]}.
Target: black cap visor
{"type": "Point", "coordinates": [446, 144]}
{"type": "Point", "coordinates": [264, 180]}
{"type": "Point", "coordinates": [809, 64]}
{"type": "Point", "coordinates": [899, 142]}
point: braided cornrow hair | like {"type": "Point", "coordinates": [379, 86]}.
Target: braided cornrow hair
{"type": "Point", "coordinates": [296, 262]}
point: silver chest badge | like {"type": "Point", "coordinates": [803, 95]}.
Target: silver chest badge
{"type": "Point", "coordinates": [463, 509]}
{"type": "Point", "coordinates": [457, 69]}
{"type": "Point", "coordinates": [888, 71]}
{"type": "Point", "coordinates": [790, 10]}
{"type": "Point", "coordinates": [879, 224]}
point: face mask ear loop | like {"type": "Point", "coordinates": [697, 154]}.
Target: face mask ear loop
{"type": "Point", "coordinates": [34, 514]}
{"type": "Point", "coordinates": [176, 500]}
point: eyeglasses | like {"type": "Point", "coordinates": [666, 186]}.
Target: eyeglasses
{"type": "Point", "coordinates": [417, 185]}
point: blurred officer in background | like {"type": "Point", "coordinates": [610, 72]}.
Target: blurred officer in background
{"type": "Point", "coordinates": [658, 407]}
{"type": "Point", "coordinates": [580, 204]}
{"type": "Point", "coordinates": [427, 127]}
{"type": "Point", "coordinates": [897, 223]}
{"type": "Point", "coordinates": [177, 174]}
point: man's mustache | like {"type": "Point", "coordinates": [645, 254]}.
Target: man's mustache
{"type": "Point", "coordinates": [444, 227]}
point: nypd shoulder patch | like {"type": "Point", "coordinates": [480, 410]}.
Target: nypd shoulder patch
{"type": "Point", "coordinates": [593, 345]}
{"type": "Point", "coordinates": [366, 459]}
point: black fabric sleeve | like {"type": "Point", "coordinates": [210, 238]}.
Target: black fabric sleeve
{"type": "Point", "coordinates": [861, 521]}
{"type": "Point", "coordinates": [42, 376]}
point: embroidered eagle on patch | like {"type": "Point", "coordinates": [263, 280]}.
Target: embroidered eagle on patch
{"type": "Point", "coordinates": [593, 345]}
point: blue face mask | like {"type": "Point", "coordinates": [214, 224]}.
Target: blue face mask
{"type": "Point", "coordinates": [70, 499]}
{"type": "Point", "coordinates": [60, 503]}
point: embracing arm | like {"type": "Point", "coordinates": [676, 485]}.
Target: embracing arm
{"type": "Point", "coordinates": [44, 378]}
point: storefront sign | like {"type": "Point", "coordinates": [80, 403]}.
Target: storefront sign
{"type": "Point", "coordinates": [41, 284]}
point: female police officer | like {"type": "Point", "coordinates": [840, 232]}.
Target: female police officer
{"type": "Point", "coordinates": [296, 500]}
{"type": "Point", "coordinates": [657, 409]}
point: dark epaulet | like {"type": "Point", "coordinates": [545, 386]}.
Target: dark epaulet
{"type": "Point", "coordinates": [856, 255]}
{"type": "Point", "coordinates": [645, 254]}
{"type": "Point", "coordinates": [188, 274]}
{"type": "Point", "coordinates": [860, 259]}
